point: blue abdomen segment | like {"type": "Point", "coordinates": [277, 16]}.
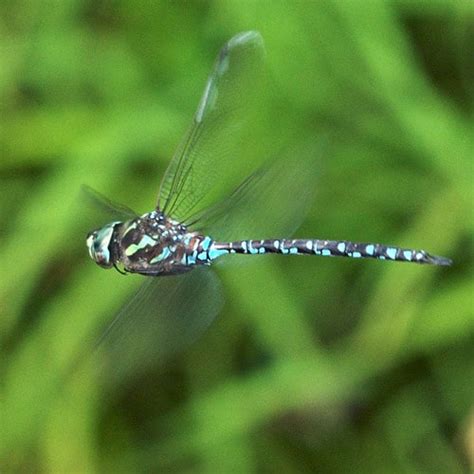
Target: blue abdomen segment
{"type": "Point", "coordinates": [203, 250]}
{"type": "Point", "coordinates": [325, 248]}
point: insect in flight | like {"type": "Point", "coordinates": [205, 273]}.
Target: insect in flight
{"type": "Point", "coordinates": [178, 235]}
{"type": "Point", "coordinates": [158, 243]}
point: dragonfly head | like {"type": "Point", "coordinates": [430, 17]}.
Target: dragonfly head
{"type": "Point", "coordinates": [99, 243]}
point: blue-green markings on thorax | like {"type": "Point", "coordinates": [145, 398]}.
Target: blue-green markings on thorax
{"type": "Point", "coordinates": [164, 254]}
{"type": "Point", "coordinates": [145, 241]}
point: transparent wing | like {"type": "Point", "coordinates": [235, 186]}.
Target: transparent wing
{"type": "Point", "coordinates": [112, 209]}
{"type": "Point", "coordinates": [224, 128]}
{"type": "Point", "coordinates": [270, 203]}
{"type": "Point", "coordinates": [162, 318]}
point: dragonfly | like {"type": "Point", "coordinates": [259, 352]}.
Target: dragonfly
{"type": "Point", "coordinates": [180, 235]}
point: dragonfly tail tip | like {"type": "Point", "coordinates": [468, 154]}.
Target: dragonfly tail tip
{"type": "Point", "coordinates": [442, 261]}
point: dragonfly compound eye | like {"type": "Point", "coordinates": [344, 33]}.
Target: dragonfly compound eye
{"type": "Point", "coordinates": [98, 243]}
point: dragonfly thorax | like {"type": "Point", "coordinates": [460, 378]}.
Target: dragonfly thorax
{"type": "Point", "coordinates": [151, 244]}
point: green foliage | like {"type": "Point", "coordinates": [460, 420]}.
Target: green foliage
{"type": "Point", "coordinates": [314, 365]}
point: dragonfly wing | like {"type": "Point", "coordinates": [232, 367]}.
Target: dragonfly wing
{"type": "Point", "coordinates": [271, 203]}
{"type": "Point", "coordinates": [165, 315]}
{"type": "Point", "coordinates": [223, 127]}
{"type": "Point", "coordinates": [112, 209]}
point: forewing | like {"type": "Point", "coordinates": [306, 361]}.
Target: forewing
{"type": "Point", "coordinates": [161, 319]}
{"type": "Point", "coordinates": [224, 127]}
{"type": "Point", "coordinates": [106, 206]}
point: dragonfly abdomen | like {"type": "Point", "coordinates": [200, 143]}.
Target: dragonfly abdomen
{"type": "Point", "coordinates": [326, 248]}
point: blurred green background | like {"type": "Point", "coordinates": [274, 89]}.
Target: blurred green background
{"type": "Point", "coordinates": [313, 365]}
